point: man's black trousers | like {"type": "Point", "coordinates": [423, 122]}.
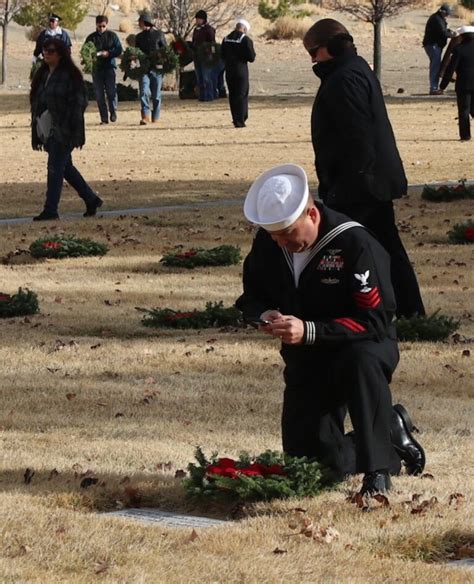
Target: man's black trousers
{"type": "Point", "coordinates": [321, 387]}
{"type": "Point", "coordinates": [238, 87]}
{"type": "Point", "coordinates": [465, 101]}
{"type": "Point", "coordinates": [379, 218]}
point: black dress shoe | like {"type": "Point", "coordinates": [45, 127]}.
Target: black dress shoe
{"type": "Point", "coordinates": [376, 482]}
{"type": "Point", "coordinates": [113, 117]}
{"type": "Point", "coordinates": [407, 448]}
{"type": "Point", "coordinates": [91, 208]}
{"type": "Point", "coordinates": [46, 216]}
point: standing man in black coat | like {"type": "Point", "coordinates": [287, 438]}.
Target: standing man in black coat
{"type": "Point", "coordinates": [462, 63]}
{"type": "Point", "coordinates": [436, 36]}
{"type": "Point", "coordinates": [53, 30]}
{"type": "Point", "coordinates": [237, 51]}
{"type": "Point", "coordinates": [108, 48]}
{"type": "Point", "coordinates": [357, 161]}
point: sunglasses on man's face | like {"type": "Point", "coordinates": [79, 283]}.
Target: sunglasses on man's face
{"type": "Point", "coordinates": [49, 51]}
{"type": "Point", "coordinates": [313, 51]}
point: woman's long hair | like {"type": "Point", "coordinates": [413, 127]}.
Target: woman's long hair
{"type": "Point", "coordinates": [65, 63]}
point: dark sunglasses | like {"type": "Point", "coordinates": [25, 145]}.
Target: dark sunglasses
{"type": "Point", "coordinates": [313, 51]}
{"type": "Point", "coordinates": [49, 51]}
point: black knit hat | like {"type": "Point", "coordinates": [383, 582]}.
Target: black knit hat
{"type": "Point", "coordinates": [201, 14]}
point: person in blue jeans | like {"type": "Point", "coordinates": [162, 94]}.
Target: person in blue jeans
{"type": "Point", "coordinates": [108, 48]}
{"type": "Point", "coordinates": [149, 40]}
{"type": "Point", "coordinates": [434, 41]}
{"type": "Point", "coordinates": [204, 36]}
{"type": "Point", "coordinates": [58, 100]}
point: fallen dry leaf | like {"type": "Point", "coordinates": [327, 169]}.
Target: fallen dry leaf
{"type": "Point", "coordinates": [278, 550]}
{"type": "Point", "coordinates": [28, 475]}
{"type": "Point", "coordinates": [88, 482]}
{"type": "Point", "coordinates": [193, 536]}
{"type": "Point", "coordinates": [71, 396]}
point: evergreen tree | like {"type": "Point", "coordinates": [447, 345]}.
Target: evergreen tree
{"type": "Point", "coordinates": [35, 13]}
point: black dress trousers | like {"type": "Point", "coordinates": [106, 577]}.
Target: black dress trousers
{"type": "Point", "coordinates": [319, 392]}
{"type": "Point", "coordinates": [238, 86]}
{"type": "Point", "coordinates": [465, 101]}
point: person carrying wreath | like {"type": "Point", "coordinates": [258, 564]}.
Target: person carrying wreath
{"type": "Point", "coordinates": [150, 39]}
{"type": "Point", "coordinates": [108, 48]}
{"type": "Point", "coordinates": [462, 63]}
{"type": "Point", "coordinates": [237, 51]}
{"type": "Point", "coordinates": [58, 99]}
{"type": "Point", "coordinates": [53, 30]}
{"type": "Point", "coordinates": [320, 283]}
{"type": "Point", "coordinates": [357, 161]}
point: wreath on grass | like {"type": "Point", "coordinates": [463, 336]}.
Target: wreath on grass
{"type": "Point", "coordinates": [22, 303]}
{"type": "Point", "coordinates": [447, 193]}
{"type": "Point", "coordinates": [134, 63]}
{"type": "Point", "coordinates": [462, 232]}
{"type": "Point", "coordinates": [223, 255]}
{"type": "Point", "coordinates": [89, 57]}
{"type": "Point", "coordinates": [214, 315]}
{"type": "Point", "coordinates": [270, 475]}
{"type": "Point", "coordinates": [436, 327]}
{"type": "Point", "coordinates": [66, 246]}
{"type": "Point", "coordinates": [208, 54]}
{"type": "Point", "coordinates": [164, 60]}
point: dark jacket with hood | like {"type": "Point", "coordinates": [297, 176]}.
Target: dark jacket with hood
{"type": "Point", "coordinates": [357, 160]}
{"type": "Point", "coordinates": [461, 62]}
{"type": "Point", "coordinates": [66, 101]}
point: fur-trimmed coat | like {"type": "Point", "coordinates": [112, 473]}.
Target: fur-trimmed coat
{"type": "Point", "coordinates": [66, 100]}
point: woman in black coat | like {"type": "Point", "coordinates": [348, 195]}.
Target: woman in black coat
{"type": "Point", "coordinates": [462, 63]}
{"type": "Point", "coordinates": [58, 100]}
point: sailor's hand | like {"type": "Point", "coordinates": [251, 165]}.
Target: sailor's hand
{"type": "Point", "coordinates": [288, 328]}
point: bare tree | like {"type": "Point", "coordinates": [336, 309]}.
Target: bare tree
{"type": "Point", "coordinates": [101, 5]}
{"type": "Point", "coordinates": [8, 9]}
{"type": "Point", "coordinates": [374, 11]}
{"type": "Point", "coordinates": [177, 16]}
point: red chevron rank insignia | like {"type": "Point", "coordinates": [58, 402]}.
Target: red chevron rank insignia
{"type": "Point", "coordinates": [369, 299]}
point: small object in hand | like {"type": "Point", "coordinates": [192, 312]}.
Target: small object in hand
{"type": "Point", "coordinates": [256, 322]}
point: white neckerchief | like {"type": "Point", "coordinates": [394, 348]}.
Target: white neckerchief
{"type": "Point", "coordinates": [54, 31]}
{"type": "Point", "coordinates": [299, 263]}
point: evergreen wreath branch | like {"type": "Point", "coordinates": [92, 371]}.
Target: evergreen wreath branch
{"type": "Point", "coordinates": [223, 255]}
{"type": "Point", "coordinates": [23, 303]}
{"type": "Point", "coordinates": [66, 246]}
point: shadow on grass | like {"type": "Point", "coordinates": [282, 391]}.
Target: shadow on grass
{"type": "Point", "coordinates": [86, 491]}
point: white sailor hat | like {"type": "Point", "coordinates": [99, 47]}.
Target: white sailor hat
{"type": "Point", "coordinates": [278, 197]}
{"type": "Point", "coordinates": [243, 22]}
{"type": "Point", "coordinates": [465, 29]}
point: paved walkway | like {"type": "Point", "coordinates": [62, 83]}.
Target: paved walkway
{"type": "Point", "coordinates": [412, 190]}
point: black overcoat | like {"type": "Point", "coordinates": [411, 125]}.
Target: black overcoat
{"type": "Point", "coordinates": [357, 160]}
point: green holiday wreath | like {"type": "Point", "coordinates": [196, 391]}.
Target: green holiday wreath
{"type": "Point", "coordinates": [462, 232]}
{"type": "Point", "coordinates": [184, 51]}
{"type": "Point", "coordinates": [214, 315]}
{"type": "Point", "coordinates": [223, 255]}
{"type": "Point", "coordinates": [35, 67]}
{"type": "Point", "coordinates": [66, 246]}
{"type": "Point", "coordinates": [22, 303]}
{"type": "Point", "coordinates": [164, 60]}
{"type": "Point", "coordinates": [446, 193]}
{"type": "Point", "coordinates": [436, 327]}
{"type": "Point", "coordinates": [134, 63]}
{"type": "Point", "coordinates": [270, 475]}
{"type": "Point", "coordinates": [89, 57]}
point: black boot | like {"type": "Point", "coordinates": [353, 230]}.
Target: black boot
{"type": "Point", "coordinates": [407, 448]}
{"type": "Point", "coordinates": [91, 208]}
{"type": "Point", "coordinates": [376, 482]}
{"type": "Point", "coordinates": [46, 216]}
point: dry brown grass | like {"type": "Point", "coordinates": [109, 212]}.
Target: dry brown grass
{"type": "Point", "coordinates": [80, 406]}
{"type": "Point", "coordinates": [288, 28]}
{"type": "Point", "coordinates": [126, 25]}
